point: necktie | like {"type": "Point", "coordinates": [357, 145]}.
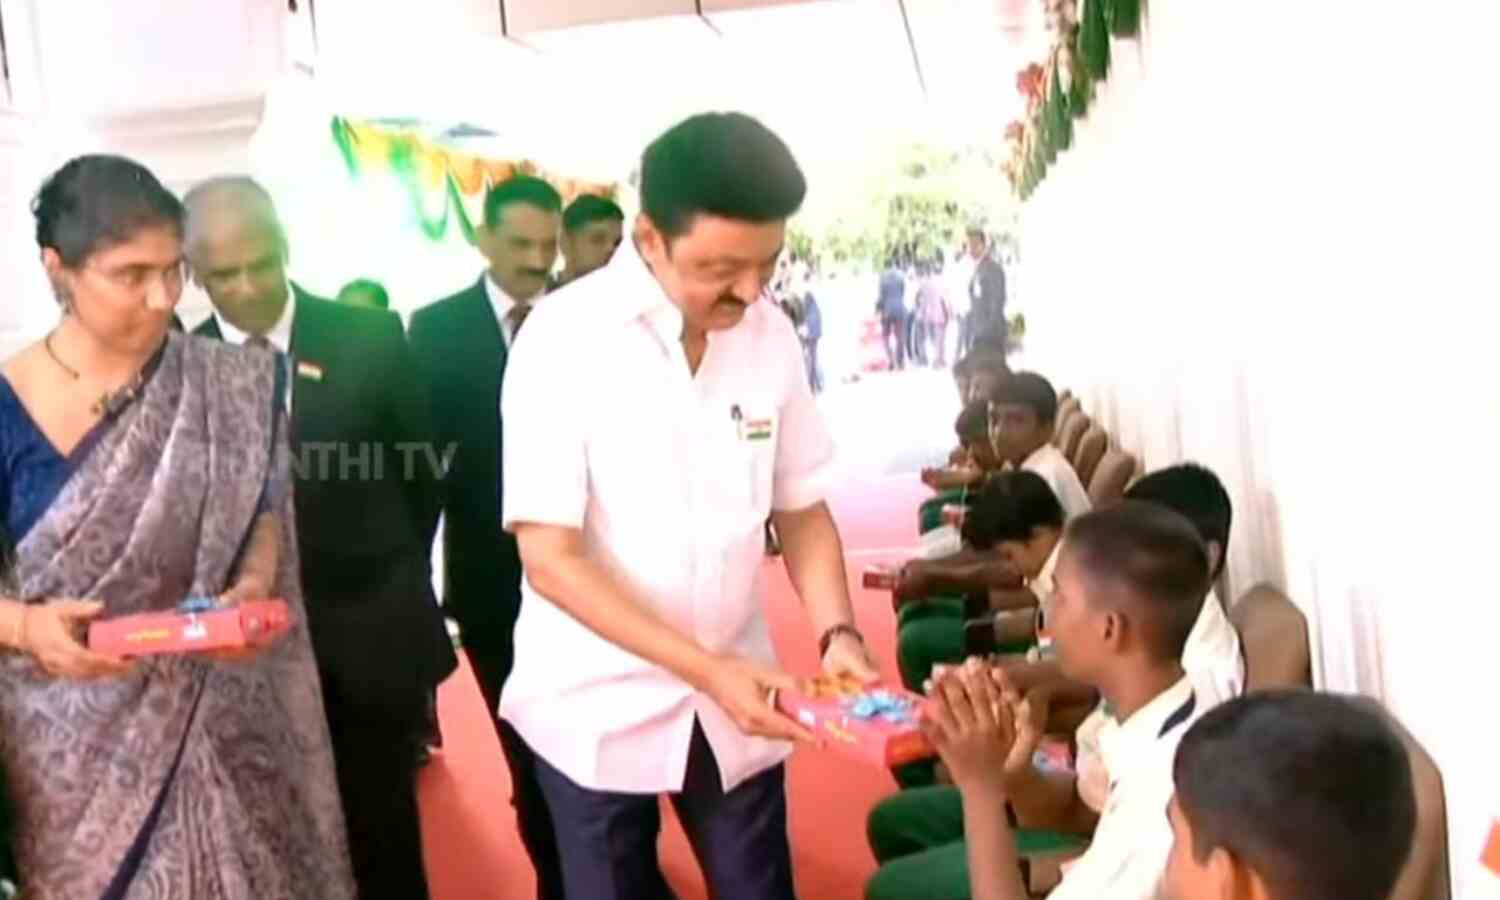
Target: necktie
{"type": "Point", "coordinates": [516, 318]}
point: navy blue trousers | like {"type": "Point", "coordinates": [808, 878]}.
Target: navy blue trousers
{"type": "Point", "coordinates": [608, 840]}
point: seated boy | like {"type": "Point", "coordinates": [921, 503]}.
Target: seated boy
{"type": "Point", "coordinates": [1291, 795]}
{"type": "Point", "coordinates": [1023, 413]}
{"type": "Point", "coordinates": [1012, 530]}
{"type": "Point", "coordinates": [1128, 584]}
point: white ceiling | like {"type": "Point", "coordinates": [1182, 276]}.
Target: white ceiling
{"type": "Point", "coordinates": [830, 74]}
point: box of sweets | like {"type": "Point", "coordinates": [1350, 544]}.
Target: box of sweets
{"type": "Point", "coordinates": [194, 627]}
{"type": "Point", "coordinates": [871, 722]}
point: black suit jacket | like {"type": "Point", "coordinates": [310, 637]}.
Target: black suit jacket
{"type": "Point", "coordinates": [366, 498]}
{"type": "Point", "coordinates": [987, 290]}
{"type": "Point", "coordinates": [458, 345]}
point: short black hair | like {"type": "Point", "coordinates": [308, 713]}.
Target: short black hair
{"type": "Point", "coordinates": [520, 189]}
{"type": "Point", "coordinates": [587, 209]}
{"type": "Point", "coordinates": [374, 288]}
{"type": "Point", "coordinates": [97, 201]}
{"type": "Point", "coordinates": [1197, 494]}
{"type": "Point", "coordinates": [1011, 507]}
{"type": "Point", "coordinates": [973, 423]}
{"type": "Point", "coordinates": [1030, 390]}
{"type": "Point", "coordinates": [1156, 556]}
{"type": "Point", "coordinates": [721, 164]}
{"type": "Point", "coordinates": [1313, 792]}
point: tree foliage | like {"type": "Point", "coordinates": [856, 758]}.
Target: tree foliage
{"type": "Point", "coordinates": [914, 201]}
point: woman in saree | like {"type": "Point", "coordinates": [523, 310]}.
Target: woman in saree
{"type": "Point", "coordinates": [140, 467]}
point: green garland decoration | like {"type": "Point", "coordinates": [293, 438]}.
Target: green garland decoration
{"type": "Point", "coordinates": [1125, 18]}
{"type": "Point", "coordinates": [1093, 39]}
{"type": "Point", "coordinates": [1081, 91]}
{"type": "Point", "coordinates": [433, 226]}
{"type": "Point", "coordinates": [1058, 113]}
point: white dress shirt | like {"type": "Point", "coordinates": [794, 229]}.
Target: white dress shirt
{"type": "Point", "coordinates": [1128, 855]}
{"type": "Point", "coordinates": [502, 303]}
{"type": "Point", "coordinates": [1049, 462]}
{"type": "Point", "coordinates": [670, 477]}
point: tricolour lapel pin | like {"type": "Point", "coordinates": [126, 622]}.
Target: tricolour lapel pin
{"type": "Point", "coordinates": [310, 371]}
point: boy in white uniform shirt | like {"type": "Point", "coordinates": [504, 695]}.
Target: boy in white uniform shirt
{"type": "Point", "coordinates": [1023, 413]}
{"type": "Point", "coordinates": [1128, 586]}
{"type": "Point", "coordinates": [644, 663]}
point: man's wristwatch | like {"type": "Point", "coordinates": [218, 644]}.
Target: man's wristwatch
{"type": "Point", "coordinates": [835, 631]}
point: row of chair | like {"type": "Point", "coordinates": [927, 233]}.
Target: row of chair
{"type": "Point", "coordinates": [1104, 468]}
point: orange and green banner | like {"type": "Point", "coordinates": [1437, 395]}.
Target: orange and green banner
{"type": "Point", "coordinates": [444, 184]}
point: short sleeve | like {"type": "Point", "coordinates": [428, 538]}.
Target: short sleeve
{"type": "Point", "coordinates": [804, 448]}
{"type": "Point", "coordinates": [544, 445]}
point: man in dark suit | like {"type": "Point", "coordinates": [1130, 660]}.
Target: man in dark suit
{"type": "Point", "coordinates": [461, 344]}
{"type": "Point", "coordinates": [367, 506]}
{"type": "Point", "coordinates": [890, 305]}
{"type": "Point", "coordinates": [986, 293]}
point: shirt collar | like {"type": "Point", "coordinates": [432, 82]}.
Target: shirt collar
{"type": "Point", "coordinates": [1124, 744]}
{"type": "Point", "coordinates": [1036, 456]}
{"type": "Point", "coordinates": [279, 334]}
{"type": "Point", "coordinates": [1043, 579]}
{"type": "Point", "coordinates": [502, 302]}
{"type": "Point", "coordinates": [641, 295]}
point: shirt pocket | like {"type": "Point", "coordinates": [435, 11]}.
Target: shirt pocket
{"type": "Point", "coordinates": [749, 460]}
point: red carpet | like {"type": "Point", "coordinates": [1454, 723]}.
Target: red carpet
{"type": "Point", "coordinates": [473, 852]}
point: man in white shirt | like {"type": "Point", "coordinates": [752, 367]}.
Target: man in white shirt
{"type": "Point", "coordinates": [1023, 412]}
{"type": "Point", "coordinates": [1128, 587]}
{"type": "Point", "coordinates": [644, 664]}
{"type": "Point", "coordinates": [1291, 795]}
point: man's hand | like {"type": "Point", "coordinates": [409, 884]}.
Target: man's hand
{"type": "Point", "coordinates": [971, 725]}
{"type": "Point", "coordinates": [53, 633]}
{"type": "Point", "coordinates": [952, 477]}
{"type": "Point", "coordinates": [744, 689]}
{"type": "Point", "coordinates": [848, 655]}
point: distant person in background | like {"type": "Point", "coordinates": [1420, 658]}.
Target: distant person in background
{"type": "Point", "coordinates": [890, 305]}
{"type": "Point", "coordinates": [592, 229]}
{"type": "Point", "coordinates": [986, 291]}
{"type": "Point", "coordinates": [956, 277]}
{"type": "Point", "coordinates": [366, 293]}
{"type": "Point", "coordinates": [933, 314]}
{"type": "Point", "coordinates": [810, 329]}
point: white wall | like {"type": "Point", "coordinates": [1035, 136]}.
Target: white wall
{"type": "Point", "coordinates": [1271, 250]}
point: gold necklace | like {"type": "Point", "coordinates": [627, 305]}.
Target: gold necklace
{"type": "Point", "coordinates": [109, 401]}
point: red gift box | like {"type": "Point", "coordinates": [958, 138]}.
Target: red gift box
{"type": "Point", "coordinates": [881, 578]}
{"type": "Point", "coordinates": [248, 624]}
{"type": "Point", "coordinates": [871, 722]}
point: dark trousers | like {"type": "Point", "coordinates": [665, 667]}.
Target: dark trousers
{"type": "Point", "coordinates": [609, 840]}
{"type": "Point", "coordinates": [893, 334]}
{"type": "Point", "coordinates": [814, 372]}
{"type": "Point", "coordinates": [491, 665]}
{"type": "Point", "coordinates": [377, 774]}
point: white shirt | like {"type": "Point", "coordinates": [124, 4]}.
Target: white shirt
{"type": "Point", "coordinates": [1128, 855]}
{"type": "Point", "coordinates": [1214, 664]}
{"type": "Point", "coordinates": [1049, 462]}
{"type": "Point", "coordinates": [502, 303]}
{"type": "Point", "coordinates": [1212, 655]}
{"type": "Point", "coordinates": [670, 477]}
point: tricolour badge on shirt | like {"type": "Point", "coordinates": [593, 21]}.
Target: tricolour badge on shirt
{"type": "Point", "coordinates": [756, 429]}
{"type": "Point", "coordinates": [310, 371]}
